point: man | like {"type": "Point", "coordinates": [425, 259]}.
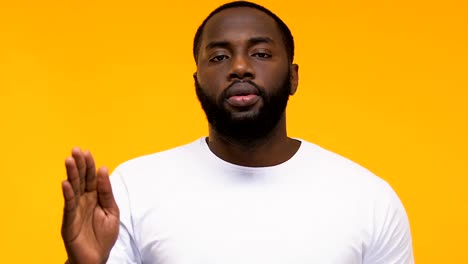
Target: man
{"type": "Point", "coordinates": [247, 193]}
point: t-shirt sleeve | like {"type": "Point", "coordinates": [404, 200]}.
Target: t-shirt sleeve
{"type": "Point", "coordinates": [125, 250]}
{"type": "Point", "coordinates": [391, 239]}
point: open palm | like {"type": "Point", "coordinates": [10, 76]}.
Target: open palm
{"type": "Point", "coordinates": [91, 217]}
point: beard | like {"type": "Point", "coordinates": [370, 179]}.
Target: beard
{"type": "Point", "coordinates": [250, 127]}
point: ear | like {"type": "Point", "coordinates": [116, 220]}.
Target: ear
{"type": "Point", "coordinates": [294, 80]}
{"type": "Point", "coordinates": [195, 76]}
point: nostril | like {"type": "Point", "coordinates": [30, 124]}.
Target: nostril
{"type": "Point", "coordinates": [242, 77]}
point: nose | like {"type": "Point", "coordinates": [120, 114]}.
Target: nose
{"type": "Point", "coordinates": [241, 68]}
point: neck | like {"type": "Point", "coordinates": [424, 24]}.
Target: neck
{"type": "Point", "coordinates": [273, 149]}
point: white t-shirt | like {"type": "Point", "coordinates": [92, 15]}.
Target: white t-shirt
{"type": "Point", "coordinates": [188, 206]}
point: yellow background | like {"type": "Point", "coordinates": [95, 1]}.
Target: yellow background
{"type": "Point", "coordinates": [381, 82]}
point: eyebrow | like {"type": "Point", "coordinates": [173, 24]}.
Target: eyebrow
{"type": "Point", "coordinates": [252, 41]}
{"type": "Point", "coordinates": [258, 40]}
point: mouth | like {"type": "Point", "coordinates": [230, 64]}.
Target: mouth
{"type": "Point", "coordinates": [242, 94]}
{"type": "Point", "coordinates": [243, 100]}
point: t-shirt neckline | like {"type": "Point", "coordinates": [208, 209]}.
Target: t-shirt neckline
{"type": "Point", "coordinates": [223, 163]}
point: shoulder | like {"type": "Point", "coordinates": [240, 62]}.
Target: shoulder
{"type": "Point", "coordinates": [384, 215]}
{"type": "Point", "coordinates": [336, 167]}
{"type": "Point", "coordinates": [347, 178]}
{"type": "Point", "coordinates": [161, 159]}
{"type": "Point", "coordinates": [149, 169]}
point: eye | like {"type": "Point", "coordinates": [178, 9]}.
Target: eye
{"type": "Point", "coordinates": [219, 58]}
{"type": "Point", "coordinates": [262, 55]}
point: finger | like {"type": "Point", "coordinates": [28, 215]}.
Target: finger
{"type": "Point", "coordinates": [91, 180]}
{"type": "Point", "coordinates": [72, 176]}
{"type": "Point", "coordinates": [81, 166]}
{"type": "Point", "coordinates": [105, 196]}
{"type": "Point", "coordinates": [69, 209]}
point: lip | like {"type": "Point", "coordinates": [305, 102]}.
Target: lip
{"type": "Point", "coordinates": [242, 94]}
{"type": "Point", "coordinates": [241, 88]}
{"type": "Point", "coordinates": [243, 100]}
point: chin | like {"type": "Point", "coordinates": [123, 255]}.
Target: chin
{"type": "Point", "coordinates": [244, 115]}
{"type": "Point", "coordinates": [247, 113]}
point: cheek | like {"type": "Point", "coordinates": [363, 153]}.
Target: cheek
{"type": "Point", "coordinates": [212, 82]}
{"type": "Point", "coordinates": [272, 76]}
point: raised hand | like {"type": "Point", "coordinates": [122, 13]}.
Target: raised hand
{"type": "Point", "coordinates": [90, 223]}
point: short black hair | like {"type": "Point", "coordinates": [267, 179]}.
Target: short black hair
{"type": "Point", "coordinates": [287, 36]}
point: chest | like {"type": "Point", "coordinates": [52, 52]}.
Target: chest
{"type": "Point", "coordinates": [252, 225]}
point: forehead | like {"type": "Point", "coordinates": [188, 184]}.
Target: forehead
{"type": "Point", "coordinates": [240, 23]}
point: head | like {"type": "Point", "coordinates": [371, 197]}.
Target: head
{"type": "Point", "coordinates": [285, 32]}
{"type": "Point", "coordinates": [245, 71]}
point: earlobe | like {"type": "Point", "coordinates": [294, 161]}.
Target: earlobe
{"type": "Point", "coordinates": [294, 75]}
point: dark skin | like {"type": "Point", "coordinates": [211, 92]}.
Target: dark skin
{"type": "Point", "coordinates": [245, 44]}
{"type": "Point", "coordinates": [90, 223]}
